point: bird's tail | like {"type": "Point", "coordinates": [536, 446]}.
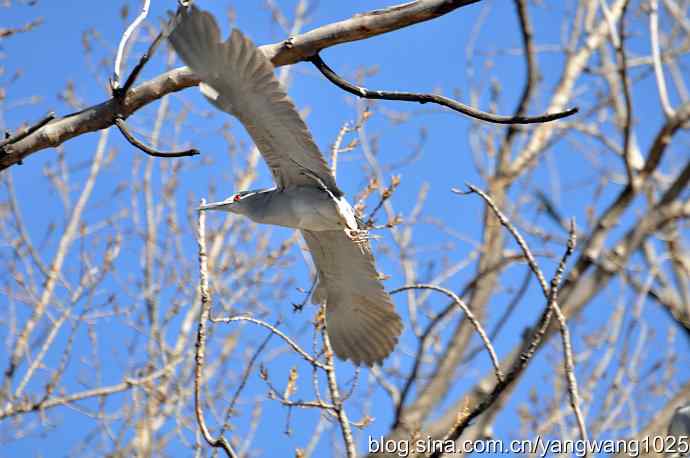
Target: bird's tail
{"type": "Point", "coordinates": [232, 68]}
{"type": "Point", "coordinates": [363, 329]}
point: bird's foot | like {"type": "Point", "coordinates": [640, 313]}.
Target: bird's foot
{"type": "Point", "coordinates": [360, 237]}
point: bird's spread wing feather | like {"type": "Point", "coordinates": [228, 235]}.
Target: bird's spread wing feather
{"type": "Point", "coordinates": [238, 79]}
{"type": "Point", "coordinates": [360, 318]}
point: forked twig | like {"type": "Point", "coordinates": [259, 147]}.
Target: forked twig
{"type": "Point", "coordinates": [120, 92]}
{"type": "Point", "coordinates": [537, 335]}
{"type": "Point", "coordinates": [140, 65]}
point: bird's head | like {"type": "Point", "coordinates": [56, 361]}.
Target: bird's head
{"type": "Point", "coordinates": [239, 202]}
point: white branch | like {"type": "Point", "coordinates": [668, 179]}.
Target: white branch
{"type": "Point", "coordinates": [125, 38]}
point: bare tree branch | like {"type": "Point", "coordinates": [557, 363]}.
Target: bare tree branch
{"type": "Point", "coordinates": [147, 149]}
{"type": "Point", "coordinates": [9, 31]}
{"type": "Point", "coordinates": [43, 404]}
{"type": "Point", "coordinates": [119, 56]}
{"type": "Point", "coordinates": [27, 131]}
{"type": "Point", "coordinates": [338, 405]}
{"type": "Point", "coordinates": [310, 359]}
{"type": "Point", "coordinates": [221, 441]}
{"type": "Point", "coordinates": [656, 56]}
{"type": "Point", "coordinates": [534, 340]}
{"type": "Point", "coordinates": [360, 91]}
{"type": "Point", "coordinates": [66, 298]}
{"type": "Point", "coordinates": [293, 50]}
{"type": "Point", "coordinates": [22, 340]}
{"type": "Point", "coordinates": [618, 40]}
{"type": "Point", "coordinates": [470, 316]}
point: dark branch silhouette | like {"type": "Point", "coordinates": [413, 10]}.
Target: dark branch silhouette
{"type": "Point", "coordinates": [120, 123]}
{"type": "Point", "coordinates": [359, 91]}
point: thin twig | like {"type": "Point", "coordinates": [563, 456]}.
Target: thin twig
{"type": "Point", "coordinates": [385, 195]}
{"type": "Point", "coordinates": [125, 38]}
{"type": "Point", "coordinates": [618, 40]}
{"type": "Point", "coordinates": [335, 149]}
{"type": "Point", "coordinates": [277, 332]}
{"type": "Point", "coordinates": [532, 78]}
{"type": "Point", "coordinates": [22, 231]}
{"type": "Point", "coordinates": [529, 348]}
{"type": "Point", "coordinates": [551, 293]}
{"type": "Point", "coordinates": [566, 341]}
{"type": "Point", "coordinates": [428, 332]}
{"type": "Point", "coordinates": [656, 58]}
{"type": "Point", "coordinates": [470, 316]}
{"type": "Point", "coordinates": [627, 97]}
{"type": "Point", "coordinates": [9, 31]}
{"type": "Point", "coordinates": [204, 314]}
{"type": "Point", "coordinates": [307, 404]}
{"type": "Point", "coordinates": [120, 123]}
{"type": "Point", "coordinates": [126, 384]}
{"type": "Point", "coordinates": [243, 382]}
{"type": "Point", "coordinates": [28, 130]}
{"type": "Point", "coordinates": [504, 317]}
{"type": "Point", "coordinates": [299, 307]}
{"type": "Point", "coordinates": [514, 232]}
{"type": "Point", "coordinates": [140, 65]}
{"type": "Point", "coordinates": [335, 396]}
{"type": "Point", "coordinates": [359, 91]}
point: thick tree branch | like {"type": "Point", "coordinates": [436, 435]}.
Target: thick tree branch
{"type": "Point", "coordinates": [293, 50]}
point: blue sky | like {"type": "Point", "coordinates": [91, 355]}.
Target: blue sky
{"type": "Point", "coordinates": [427, 57]}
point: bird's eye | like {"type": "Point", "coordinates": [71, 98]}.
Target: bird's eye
{"type": "Point", "coordinates": [237, 198]}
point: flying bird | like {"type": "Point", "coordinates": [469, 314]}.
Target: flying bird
{"type": "Point", "coordinates": [236, 77]}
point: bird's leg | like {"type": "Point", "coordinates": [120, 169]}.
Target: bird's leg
{"type": "Point", "coordinates": [360, 237]}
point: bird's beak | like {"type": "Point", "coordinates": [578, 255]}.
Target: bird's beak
{"type": "Point", "coordinates": [215, 205]}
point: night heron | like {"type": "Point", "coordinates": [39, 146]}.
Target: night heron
{"type": "Point", "coordinates": [238, 78]}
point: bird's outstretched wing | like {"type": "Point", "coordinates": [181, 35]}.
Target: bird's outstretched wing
{"type": "Point", "coordinates": [361, 321]}
{"type": "Point", "coordinates": [238, 79]}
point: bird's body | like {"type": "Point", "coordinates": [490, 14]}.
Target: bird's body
{"type": "Point", "coordinates": [237, 78]}
{"type": "Point", "coordinates": [300, 207]}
